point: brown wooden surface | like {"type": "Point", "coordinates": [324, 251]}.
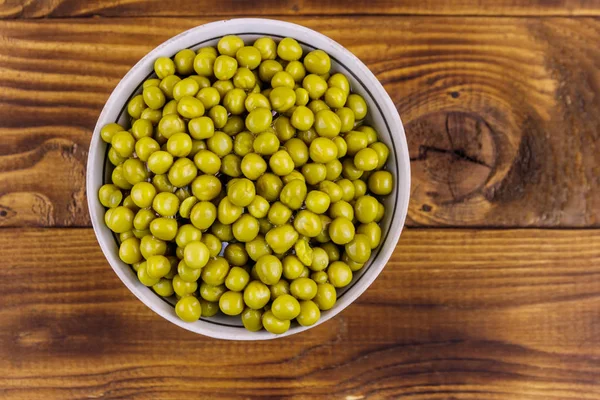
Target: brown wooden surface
{"type": "Point", "coordinates": [500, 104]}
{"type": "Point", "coordinates": [456, 314]}
{"type": "Point", "coordinates": [501, 113]}
{"type": "Point", "coordinates": [237, 8]}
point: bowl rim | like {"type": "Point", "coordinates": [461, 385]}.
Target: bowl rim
{"type": "Point", "coordinates": [263, 26]}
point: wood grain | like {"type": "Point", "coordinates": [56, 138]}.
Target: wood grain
{"type": "Point", "coordinates": [455, 314]}
{"type": "Point", "coordinates": [500, 113]}
{"type": "Point", "coordinates": [244, 8]}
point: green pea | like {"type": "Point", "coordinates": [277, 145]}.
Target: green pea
{"type": "Point", "coordinates": [359, 248]}
{"type": "Point", "coordinates": [206, 187]}
{"type": "Point", "coordinates": [259, 119]}
{"type": "Point", "coordinates": [166, 204]}
{"type": "Point", "coordinates": [164, 228]}
{"type": "Point", "coordinates": [215, 272]}
{"type": "Point", "coordinates": [372, 231]}
{"type": "Point", "coordinates": [249, 57]}
{"type": "Point", "coordinates": [203, 215]}
{"type": "Point", "coordinates": [349, 170]}
{"type": "Point", "coordinates": [223, 87]}
{"type": "Point", "coordinates": [142, 194]}
{"type": "Point", "coordinates": [186, 234]}
{"type": "Point", "coordinates": [341, 209]}
{"type": "Point", "coordinates": [253, 166]}
{"type": "Point", "coordinates": [227, 212]}
{"type": "Point", "coordinates": [341, 230]}
{"type": "Point", "coordinates": [134, 171]}
{"type": "Point", "coordinates": [163, 288]}
{"type": "Point", "coordinates": [204, 64]}
{"type": "Point", "coordinates": [314, 173]}
{"type": "Point", "coordinates": [256, 100]}
{"type": "Point", "coordinates": [218, 114]}
{"type": "Point", "coordinates": [110, 196]}
{"type": "Point", "coordinates": [281, 163]}
{"type": "Point", "coordinates": [279, 289]}
{"type": "Point", "coordinates": [292, 176]}
{"type": "Point", "coordinates": [339, 274]}
{"type": "Point", "coordinates": [298, 150]}
{"type": "Point", "coordinates": [309, 313]}
{"type": "Point", "coordinates": [213, 244]}
{"type": "Point", "coordinates": [184, 61]}
{"type": "Point", "coordinates": [243, 144]}
{"type": "Point", "coordinates": [241, 192]}
{"type": "Point", "coordinates": [120, 219]}
{"type": "Point", "coordinates": [269, 186]}
{"type": "Point", "coordinates": [317, 62]}
{"type": "Point", "coordinates": [319, 277]}
{"type": "Point", "coordinates": [366, 159]}
{"type": "Point", "coordinates": [209, 308]}
{"type": "Point", "coordinates": [323, 150]}
{"type": "Point", "coordinates": [236, 254]}
{"type": "Point", "coordinates": [231, 303]}
{"type": "Point", "coordinates": [273, 324]}
{"type": "Point", "coordinates": [303, 288]}
{"type": "Point", "coordinates": [256, 295]}
{"type": "Point", "coordinates": [285, 307]}
{"type": "Point", "coordinates": [282, 238]}
{"type": "Point", "coordinates": [188, 309]}
{"type": "Point", "coordinates": [269, 269]}
{"type": "Point", "coordinates": [381, 183]}
{"type": "Point", "coordinates": [225, 67]}
{"type": "Point", "coordinates": [302, 97]}
{"type": "Point", "coordinates": [129, 251]}
{"type": "Point", "coordinates": [315, 86]}
{"type": "Point", "coordinates": [157, 266]}
{"type": "Point", "coordinates": [259, 207]}
{"type": "Point", "coordinates": [151, 115]}
{"type": "Point", "coordinates": [302, 118]}
{"type": "Point", "coordinates": [366, 209]}
{"type": "Point", "coordinates": [293, 194]}
{"type": "Point", "coordinates": [267, 48]}
{"type": "Point", "coordinates": [317, 201]}
{"type": "Point", "coordinates": [163, 67]}
{"type": "Point", "coordinates": [332, 189]}
{"type": "Point", "coordinates": [303, 251]}
{"type": "Point", "coordinates": [151, 246]}
{"type": "Point", "coordinates": [358, 106]}
{"type": "Point", "coordinates": [201, 128]}
{"type": "Point", "coordinates": [257, 248]}
{"type": "Point", "coordinates": [123, 143]}
{"type": "Point", "coordinates": [268, 69]}
{"type": "Point", "coordinates": [211, 293]}
{"type": "Point", "coordinates": [296, 70]}
{"type": "Point", "coordinates": [327, 124]}
{"type": "Point", "coordinates": [220, 143]}
{"type": "Point", "coordinates": [222, 231]}
{"type": "Point", "coordinates": [317, 105]}
{"type": "Point", "coordinates": [145, 147]}
{"type": "Point", "coordinates": [282, 78]}
{"type": "Point", "coordinates": [282, 98]}
{"type": "Point", "coordinates": [209, 96]}
{"type": "Point", "coordinates": [339, 81]}
{"type": "Point", "coordinates": [186, 273]}
{"type": "Point", "coordinates": [252, 319]}
{"type": "Point", "coordinates": [292, 267]}
{"type": "Point", "coordinates": [229, 45]}
{"type": "Point", "coordinates": [109, 130]}
{"type": "Point", "coordinates": [283, 128]}
{"type": "Point", "coordinates": [171, 124]}
{"type": "Point", "coordinates": [335, 98]}
{"type": "Point", "coordinates": [307, 223]}
{"type": "Point", "coordinates": [245, 228]}
{"type": "Point", "coordinates": [288, 49]}
{"type": "Point", "coordinates": [234, 101]}
{"type": "Point", "coordinates": [144, 278]}
{"type": "Point", "coordinates": [326, 296]}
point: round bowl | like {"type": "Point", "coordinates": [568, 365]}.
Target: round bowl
{"type": "Point", "coordinates": [383, 116]}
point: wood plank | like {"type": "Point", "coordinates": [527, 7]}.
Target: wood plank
{"type": "Point", "coordinates": [245, 8]}
{"type": "Point", "coordinates": [500, 113]}
{"type": "Point", "coordinates": [458, 314]}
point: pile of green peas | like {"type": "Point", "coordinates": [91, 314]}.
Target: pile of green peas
{"type": "Point", "coordinates": [247, 183]}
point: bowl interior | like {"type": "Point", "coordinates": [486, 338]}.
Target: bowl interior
{"type": "Point", "coordinates": [386, 122]}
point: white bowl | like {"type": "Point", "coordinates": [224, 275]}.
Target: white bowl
{"type": "Point", "coordinates": [382, 115]}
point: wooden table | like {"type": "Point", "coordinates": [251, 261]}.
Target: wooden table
{"type": "Point", "coordinates": [493, 291]}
